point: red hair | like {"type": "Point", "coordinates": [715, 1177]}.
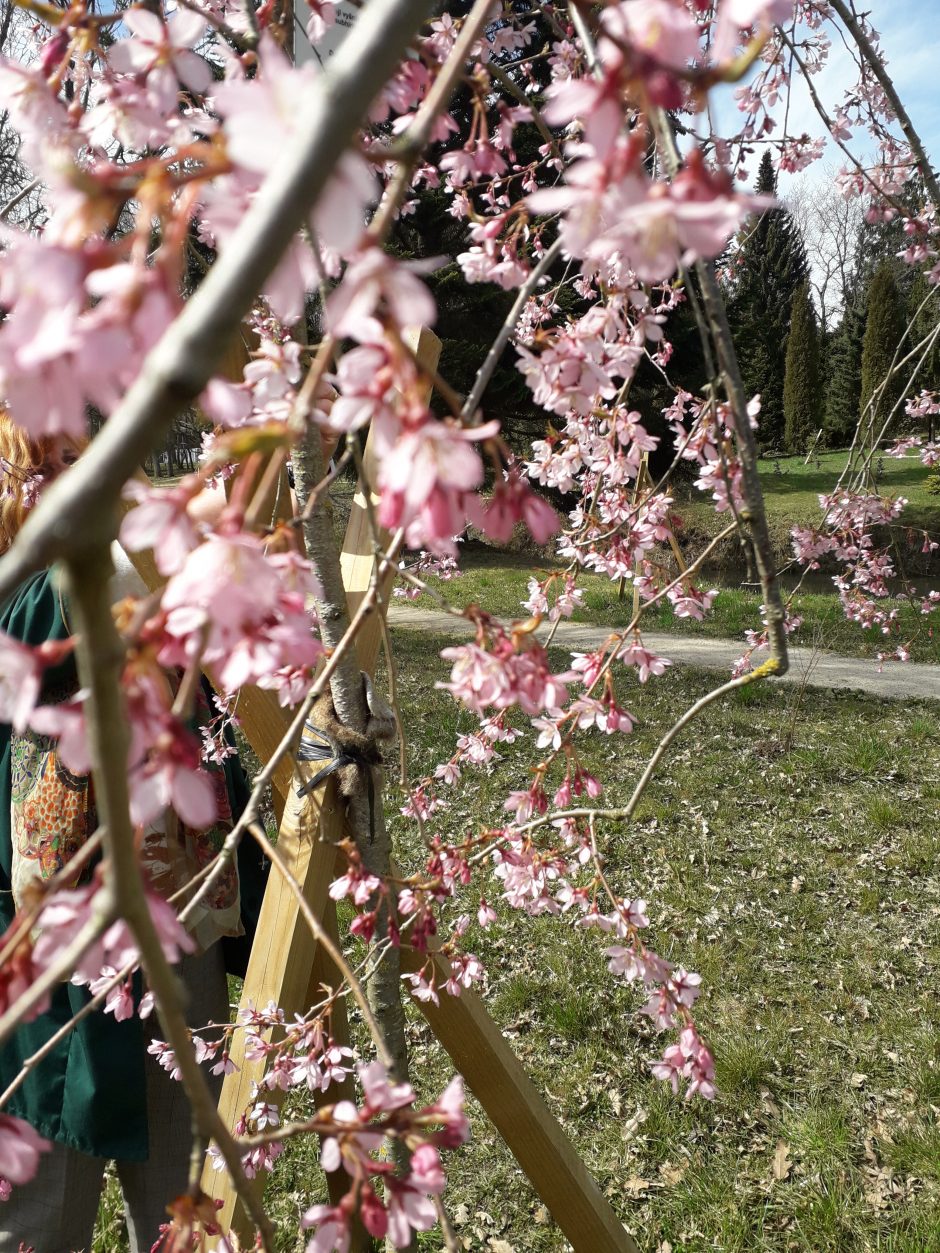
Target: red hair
{"type": "Point", "coordinates": [21, 461]}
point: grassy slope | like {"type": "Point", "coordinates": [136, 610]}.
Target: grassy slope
{"type": "Point", "coordinates": [498, 581]}
{"type": "Point", "coordinates": [808, 897]}
{"type": "Point", "coordinates": [811, 909]}
{"type": "Point", "coordinates": [792, 493]}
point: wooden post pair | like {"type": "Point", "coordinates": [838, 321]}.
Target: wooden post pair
{"type": "Point", "coordinates": [286, 966]}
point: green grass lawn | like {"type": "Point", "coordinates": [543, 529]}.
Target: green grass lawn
{"type": "Point", "coordinates": [807, 893]}
{"type": "Point", "coordinates": [789, 851]}
{"type": "Point", "coordinates": [498, 582]}
{"type": "Point", "coordinates": [792, 490]}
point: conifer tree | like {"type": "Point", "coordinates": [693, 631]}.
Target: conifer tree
{"type": "Point", "coordinates": [771, 265]}
{"type": "Point", "coordinates": [802, 395]}
{"type": "Point", "coordinates": [876, 241]}
{"type": "Point", "coordinates": [923, 311]}
{"type": "Point", "coordinates": [844, 370]}
{"type": "Point", "coordinates": [884, 326]}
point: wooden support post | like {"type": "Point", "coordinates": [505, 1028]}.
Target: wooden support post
{"type": "Point", "coordinates": [284, 961]}
{"type": "Point", "coordinates": [309, 830]}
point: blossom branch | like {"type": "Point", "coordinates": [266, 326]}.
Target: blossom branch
{"type": "Point", "coordinates": [877, 66]}
{"type": "Point", "coordinates": [756, 517]}
{"type": "Point", "coordinates": [485, 373]}
{"type": "Point", "coordinates": [419, 133]}
{"type": "Point", "coordinates": [182, 362]}
{"type": "Point", "coordinates": [100, 657]}
{"type": "Point", "coordinates": [31, 1062]}
{"type": "Point", "coordinates": [64, 965]}
{"type": "Point", "coordinates": [830, 126]}
{"type": "Point", "coordinates": [627, 811]}
{"type": "Point", "coordinates": [321, 936]}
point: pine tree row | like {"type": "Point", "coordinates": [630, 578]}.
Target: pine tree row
{"type": "Point", "coordinates": [813, 384]}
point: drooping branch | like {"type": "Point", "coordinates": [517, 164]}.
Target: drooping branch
{"type": "Point", "coordinates": [70, 516]}
{"type": "Point", "coordinates": [53, 975]}
{"type": "Point", "coordinates": [321, 937]}
{"type": "Point", "coordinates": [717, 317]}
{"type": "Point", "coordinates": [419, 132]}
{"type": "Point", "coordinates": [485, 373]}
{"type": "Point", "coordinates": [831, 127]}
{"type": "Point", "coordinates": [877, 66]}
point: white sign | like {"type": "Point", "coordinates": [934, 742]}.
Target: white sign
{"type": "Point", "coordinates": [346, 14]}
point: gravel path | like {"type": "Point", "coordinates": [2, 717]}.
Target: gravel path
{"type": "Point", "coordinates": [816, 669]}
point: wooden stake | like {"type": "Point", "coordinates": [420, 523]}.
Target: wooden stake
{"type": "Point", "coordinates": [280, 964]}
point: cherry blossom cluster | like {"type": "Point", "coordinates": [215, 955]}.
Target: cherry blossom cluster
{"type": "Point", "coordinates": [354, 1140]}
{"type": "Point", "coordinates": [54, 920]}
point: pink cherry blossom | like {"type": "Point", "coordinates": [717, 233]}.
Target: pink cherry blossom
{"type": "Point", "coordinates": [332, 1229]}
{"type": "Point", "coordinates": [380, 1092]}
{"type": "Point", "coordinates": [425, 476]}
{"type": "Point", "coordinates": [65, 722]}
{"type": "Point", "coordinates": [20, 1147]}
{"type": "Point", "coordinates": [410, 1208]}
{"type": "Point", "coordinates": [160, 522]}
{"type": "Point", "coordinates": [737, 15]}
{"type": "Point", "coordinates": [374, 283]}
{"type": "Point", "coordinates": [20, 681]}
{"type": "Point", "coordinates": [162, 53]}
{"type": "Point", "coordinates": [660, 29]}
{"type": "Point", "coordinates": [322, 17]}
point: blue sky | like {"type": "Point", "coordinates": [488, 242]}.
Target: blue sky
{"type": "Point", "coordinates": [910, 39]}
{"type": "Point", "coordinates": [910, 31]}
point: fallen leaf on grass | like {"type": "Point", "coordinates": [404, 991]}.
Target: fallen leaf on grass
{"type": "Point", "coordinates": [502, 1246]}
{"type": "Point", "coordinates": [671, 1175]}
{"type": "Point", "coordinates": [857, 1080]}
{"type": "Point", "coordinates": [781, 1164]}
{"type": "Point", "coordinates": [636, 1186]}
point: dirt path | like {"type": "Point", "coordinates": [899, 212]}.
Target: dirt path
{"type": "Point", "coordinates": [816, 669]}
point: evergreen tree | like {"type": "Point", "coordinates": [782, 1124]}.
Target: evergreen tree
{"type": "Point", "coordinates": [884, 326]}
{"type": "Point", "coordinates": [844, 371]}
{"type": "Point", "coordinates": [878, 243]}
{"type": "Point", "coordinates": [923, 311]}
{"type": "Point", "coordinates": [770, 266]}
{"type": "Point", "coordinates": [802, 395]}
